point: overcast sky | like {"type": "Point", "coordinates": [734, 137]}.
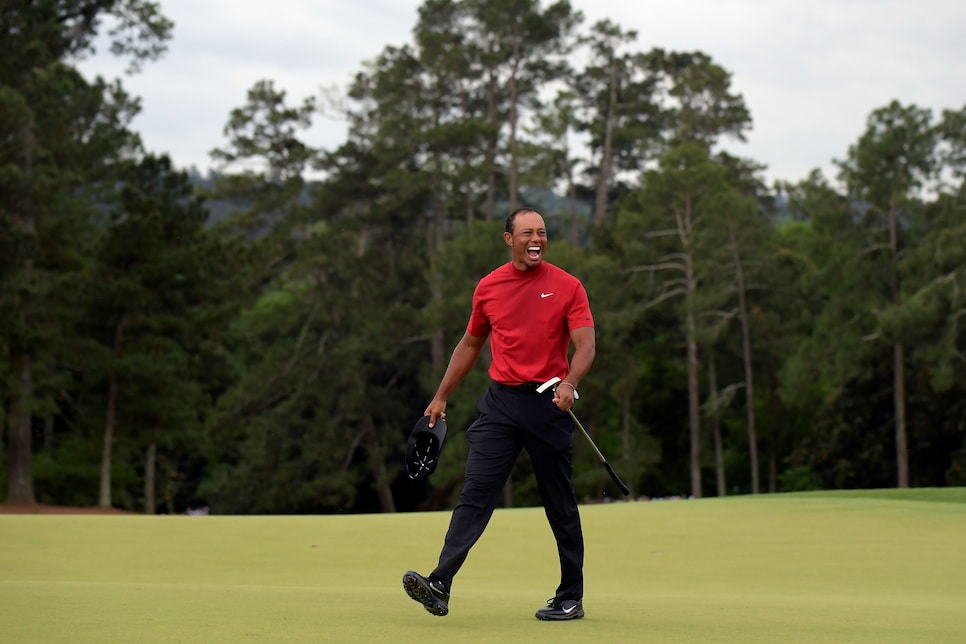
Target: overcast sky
{"type": "Point", "coordinates": [810, 71]}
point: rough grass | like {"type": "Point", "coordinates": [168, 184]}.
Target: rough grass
{"type": "Point", "coordinates": [870, 566]}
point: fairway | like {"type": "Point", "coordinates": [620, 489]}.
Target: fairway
{"type": "Point", "coordinates": [885, 566]}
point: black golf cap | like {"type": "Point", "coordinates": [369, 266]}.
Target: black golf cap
{"type": "Point", "coordinates": [425, 445]}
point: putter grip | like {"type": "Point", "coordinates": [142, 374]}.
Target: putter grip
{"type": "Point", "coordinates": [616, 479]}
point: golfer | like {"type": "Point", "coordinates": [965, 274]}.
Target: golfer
{"type": "Point", "coordinates": [531, 311]}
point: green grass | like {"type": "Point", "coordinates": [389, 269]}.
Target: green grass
{"type": "Point", "coordinates": [878, 566]}
{"type": "Point", "coordinates": [940, 494]}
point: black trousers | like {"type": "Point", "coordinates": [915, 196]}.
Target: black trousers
{"type": "Point", "coordinates": [510, 420]}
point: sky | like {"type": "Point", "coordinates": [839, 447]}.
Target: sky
{"type": "Point", "coordinates": [810, 71]}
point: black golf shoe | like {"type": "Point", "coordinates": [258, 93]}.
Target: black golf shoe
{"type": "Point", "coordinates": [560, 609]}
{"type": "Point", "coordinates": [431, 593]}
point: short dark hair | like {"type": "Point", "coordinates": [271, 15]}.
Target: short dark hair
{"type": "Point", "coordinates": [513, 216]}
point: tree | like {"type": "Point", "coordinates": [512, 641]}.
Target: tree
{"type": "Point", "coordinates": [885, 168]}
{"type": "Point", "coordinates": [61, 134]}
{"type": "Point", "coordinates": [264, 143]}
{"type": "Point", "coordinates": [932, 307]}
{"type": "Point", "coordinates": [148, 304]}
{"type": "Point", "coordinates": [869, 254]}
{"type": "Point", "coordinates": [741, 245]}
{"type": "Point", "coordinates": [447, 80]}
{"type": "Point", "coordinates": [701, 109]}
{"type": "Point", "coordinates": [411, 119]}
{"type": "Point", "coordinates": [522, 49]}
{"type": "Point", "coordinates": [617, 91]}
{"type": "Point", "coordinates": [666, 229]}
{"type": "Point", "coordinates": [701, 105]}
{"type": "Point", "coordinates": [551, 155]}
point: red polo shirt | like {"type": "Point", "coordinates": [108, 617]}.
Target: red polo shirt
{"type": "Point", "coordinates": [529, 315]}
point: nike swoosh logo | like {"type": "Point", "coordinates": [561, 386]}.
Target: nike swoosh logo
{"type": "Point", "coordinates": [569, 610]}
{"type": "Point", "coordinates": [546, 294]}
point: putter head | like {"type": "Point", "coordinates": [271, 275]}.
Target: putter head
{"type": "Point", "coordinates": [550, 383]}
{"type": "Point", "coordinates": [424, 447]}
{"type": "Point", "coordinates": [553, 383]}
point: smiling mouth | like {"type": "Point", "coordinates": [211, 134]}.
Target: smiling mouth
{"type": "Point", "coordinates": [533, 252]}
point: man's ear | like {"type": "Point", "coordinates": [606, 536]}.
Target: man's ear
{"type": "Point", "coordinates": [508, 238]}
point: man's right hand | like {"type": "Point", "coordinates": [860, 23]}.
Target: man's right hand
{"type": "Point", "coordinates": [436, 409]}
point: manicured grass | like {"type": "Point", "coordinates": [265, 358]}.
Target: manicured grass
{"type": "Point", "coordinates": [880, 566]}
{"type": "Point", "coordinates": [940, 494]}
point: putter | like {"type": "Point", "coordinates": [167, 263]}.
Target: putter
{"type": "Point", "coordinates": [610, 470]}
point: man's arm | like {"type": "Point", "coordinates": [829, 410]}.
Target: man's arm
{"type": "Point", "coordinates": [463, 358]}
{"type": "Point", "coordinates": [585, 348]}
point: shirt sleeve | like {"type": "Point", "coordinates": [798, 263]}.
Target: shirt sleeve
{"type": "Point", "coordinates": [579, 315]}
{"type": "Point", "coordinates": [479, 324]}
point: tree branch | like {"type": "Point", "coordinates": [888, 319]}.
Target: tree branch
{"type": "Point", "coordinates": [660, 233]}
{"type": "Point", "coordinates": [664, 296]}
{"type": "Point", "coordinates": [653, 268]}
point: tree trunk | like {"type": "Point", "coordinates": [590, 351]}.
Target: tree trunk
{"type": "Point", "coordinates": [694, 413]}
{"type": "Point", "coordinates": [467, 182]}
{"type": "Point", "coordinates": [150, 466]}
{"type": "Point", "coordinates": [20, 476]}
{"type": "Point", "coordinates": [572, 199]}
{"type": "Point", "coordinates": [899, 369]}
{"type": "Point", "coordinates": [772, 438]}
{"type": "Point", "coordinates": [902, 449]}
{"type": "Point", "coordinates": [437, 341]}
{"type": "Point", "coordinates": [513, 178]}
{"type": "Point", "coordinates": [377, 466]}
{"type": "Point", "coordinates": [490, 154]}
{"type": "Point", "coordinates": [434, 241]}
{"type": "Point", "coordinates": [746, 358]}
{"type": "Point", "coordinates": [20, 479]}
{"type": "Point", "coordinates": [104, 498]}
{"type": "Point", "coordinates": [626, 436]}
{"type": "Point", "coordinates": [690, 333]}
{"type": "Point", "coordinates": [468, 203]}
{"type": "Point", "coordinates": [716, 425]}
{"type": "Point", "coordinates": [603, 177]}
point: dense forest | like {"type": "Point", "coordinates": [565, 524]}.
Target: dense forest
{"type": "Point", "coordinates": [257, 341]}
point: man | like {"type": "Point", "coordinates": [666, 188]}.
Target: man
{"type": "Point", "coordinates": [531, 311]}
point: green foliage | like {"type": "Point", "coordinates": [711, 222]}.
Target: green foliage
{"type": "Point", "coordinates": [956, 474]}
{"type": "Point", "coordinates": [797, 479]}
{"type": "Point", "coordinates": [278, 357]}
{"type": "Point", "coordinates": [69, 474]}
{"type": "Point", "coordinates": [62, 138]}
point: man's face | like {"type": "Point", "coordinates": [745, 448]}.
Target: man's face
{"type": "Point", "coordinates": [528, 241]}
